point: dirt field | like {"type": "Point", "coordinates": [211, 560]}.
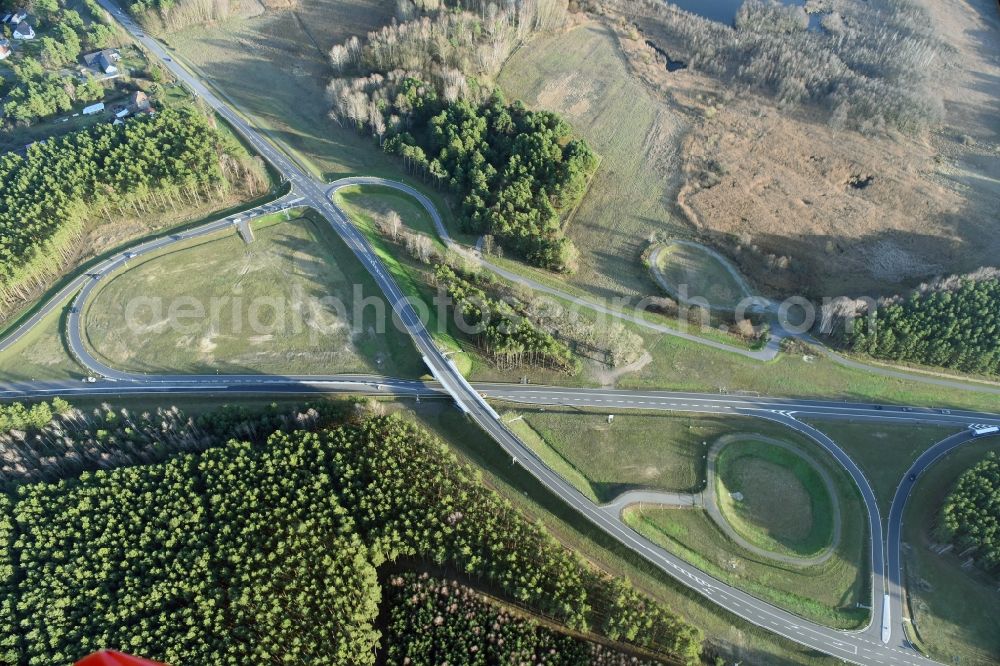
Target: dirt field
{"type": "Point", "coordinates": [800, 206]}
{"type": "Point", "coordinates": [856, 214]}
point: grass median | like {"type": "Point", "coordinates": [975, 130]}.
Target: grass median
{"type": "Point", "coordinates": [42, 354]}
{"type": "Point", "coordinates": [883, 451]}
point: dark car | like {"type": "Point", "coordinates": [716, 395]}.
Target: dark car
{"type": "Point", "coordinates": [877, 406]}
{"type": "Point", "coordinates": [913, 477]}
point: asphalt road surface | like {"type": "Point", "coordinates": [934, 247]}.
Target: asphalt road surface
{"type": "Point", "coordinates": [873, 645]}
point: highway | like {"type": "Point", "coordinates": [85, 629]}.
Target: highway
{"type": "Point", "coordinates": [873, 645]}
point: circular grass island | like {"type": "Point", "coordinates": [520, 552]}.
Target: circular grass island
{"type": "Point", "coordinates": [775, 498]}
{"type": "Point", "coordinates": [688, 270]}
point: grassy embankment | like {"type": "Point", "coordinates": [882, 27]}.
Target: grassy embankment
{"type": "Point", "coordinates": [42, 354]}
{"type": "Point", "coordinates": [274, 67]}
{"type": "Point", "coordinates": [366, 205]}
{"type": "Point", "coordinates": [883, 451]}
{"type": "Point", "coordinates": [677, 363]}
{"type": "Point", "coordinates": [666, 453]}
{"type": "Point", "coordinates": [955, 611]}
{"type": "Point", "coordinates": [700, 274]}
{"type": "Point", "coordinates": [784, 507]}
{"type": "Point", "coordinates": [583, 75]}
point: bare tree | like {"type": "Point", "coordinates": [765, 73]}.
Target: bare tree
{"type": "Point", "coordinates": [338, 56]}
{"type": "Point", "coordinates": [394, 222]}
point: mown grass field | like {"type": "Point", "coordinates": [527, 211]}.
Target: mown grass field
{"type": "Point", "coordinates": [284, 303]}
{"type": "Point", "coordinates": [684, 365]}
{"type": "Point", "coordinates": [378, 202]}
{"type": "Point", "coordinates": [42, 354]}
{"type": "Point", "coordinates": [365, 208]}
{"type": "Point", "coordinates": [955, 611]}
{"type": "Point", "coordinates": [827, 593]}
{"type": "Point", "coordinates": [274, 67]}
{"type": "Point", "coordinates": [785, 505]}
{"type": "Point", "coordinates": [366, 205]}
{"type": "Point", "coordinates": [883, 451]}
{"type": "Point", "coordinates": [603, 460]}
{"type": "Point", "coordinates": [583, 75]}
{"type": "Point", "coordinates": [695, 273]}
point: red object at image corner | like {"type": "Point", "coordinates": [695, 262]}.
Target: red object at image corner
{"type": "Point", "coordinates": [112, 658]}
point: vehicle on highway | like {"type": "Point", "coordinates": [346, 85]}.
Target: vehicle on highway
{"type": "Point", "coordinates": [878, 406]}
{"type": "Point", "coordinates": [913, 476]}
{"type": "Point", "coordinates": [90, 379]}
{"type": "Point", "coordinates": [946, 411]}
{"type": "Point", "coordinates": [983, 430]}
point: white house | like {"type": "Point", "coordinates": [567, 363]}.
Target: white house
{"type": "Point", "coordinates": [24, 31]}
{"type": "Point", "coordinates": [93, 108]}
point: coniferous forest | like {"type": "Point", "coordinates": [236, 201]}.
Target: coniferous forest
{"type": "Point", "coordinates": [516, 171]}
{"type": "Point", "coordinates": [971, 513]}
{"type": "Point", "coordinates": [250, 550]}
{"type": "Point", "coordinates": [956, 327]}
{"type": "Point", "coordinates": [434, 621]}
{"type": "Point", "coordinates": [170, 159]}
